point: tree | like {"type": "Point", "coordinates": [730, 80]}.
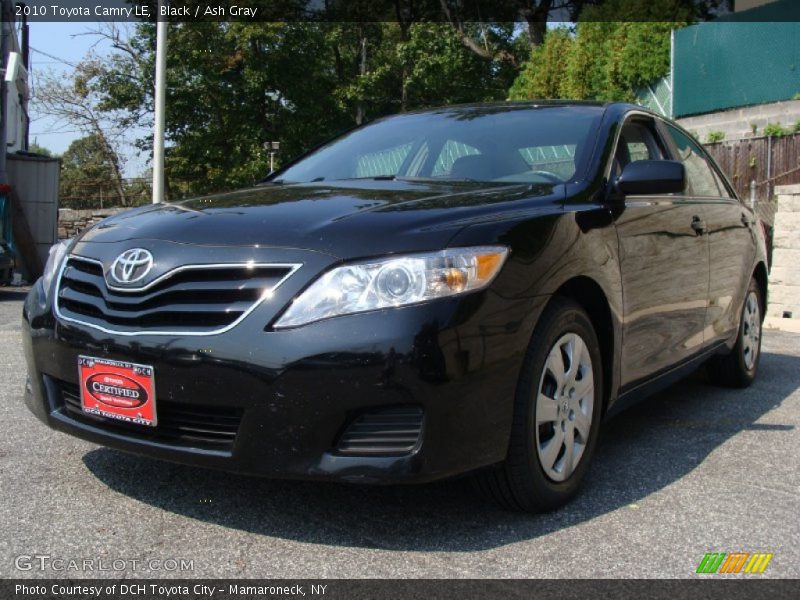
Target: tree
{"type": "Point", "coordinates": [40, 150]}
{"type": "Point", "coordinates": [77, 101]}
{"type": "Point", "coordinates": [88, 174]}
{"type": "Point", "coordinates": [545, 73]}
{"type": "Point", "coordinates": [231, 87]}
{"type": "Point", "coordinates": [604, 59]}
{"type": "Point", "coordinates": [535, 14]}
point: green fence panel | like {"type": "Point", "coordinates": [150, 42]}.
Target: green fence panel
{"type": "Point", "coordinates": [722, 65]}
{"type": "Point", "coordinates": [656, 96]}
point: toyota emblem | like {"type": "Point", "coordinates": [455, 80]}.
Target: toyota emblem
{"type": "Point", "coordinates": [132, 265]}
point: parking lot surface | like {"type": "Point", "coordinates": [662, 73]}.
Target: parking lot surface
{"type": "Point", "coordinates": [694, 469]}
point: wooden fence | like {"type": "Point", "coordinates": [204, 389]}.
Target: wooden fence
{"type": "Point", "coordinates": [760, 163]}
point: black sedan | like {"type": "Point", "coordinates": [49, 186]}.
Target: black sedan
{"type": "Point", "coordinates": [470, 288]}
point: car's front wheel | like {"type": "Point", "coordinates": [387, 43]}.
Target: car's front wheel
{"type": "Point", "coordinates": [557, 414]}
{"type": "Point", "coordinates": [739, 367]}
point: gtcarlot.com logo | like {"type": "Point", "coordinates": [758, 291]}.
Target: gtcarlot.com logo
{"type": "Point", "coordinates": [734, 562]}
{"type": "Point", "coordinates": [46, 562]}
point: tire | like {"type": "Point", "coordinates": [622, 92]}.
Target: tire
{"type": "Point", "coordinates": [739, 367]}
{"type": "Point", "coordinates": [529, 479]}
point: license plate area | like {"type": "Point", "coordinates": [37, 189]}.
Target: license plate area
{"type": "Point", "coordinates": [118, 390]}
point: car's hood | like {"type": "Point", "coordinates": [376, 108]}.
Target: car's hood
{"type": "Point", "coordinates": [343, 219]}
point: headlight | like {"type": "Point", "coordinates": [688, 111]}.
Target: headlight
{"type": "Point", "coordinates": [54, 259]}
{"type": "Point", "coordinates": [394, 281]}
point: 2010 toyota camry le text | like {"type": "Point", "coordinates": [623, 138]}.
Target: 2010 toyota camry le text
{"type": "Point", "coordinates": [469, 289]}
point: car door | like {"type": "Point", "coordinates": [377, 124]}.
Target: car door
{"type": "Point", "coordinates": [663, 262]}
{"type": "Point", "coordinates": [731, 237]}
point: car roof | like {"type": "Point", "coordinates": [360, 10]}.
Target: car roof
{"type": "Point", "coordinates": [617, 108]}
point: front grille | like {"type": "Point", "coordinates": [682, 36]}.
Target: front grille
{"type": "Point", "coordinates": [195, 299]}
{"type": "Point", "coordinates": [383, 432]}
{"type": "Point", "coordinates": [189, 425]}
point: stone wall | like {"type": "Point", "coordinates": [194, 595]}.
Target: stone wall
{"type": "Point", "coordinates": [72, 221]}
{"type": "Point", "coordinates": [738, 123]}
{"type": "Point", "coordinates": [783, 310]}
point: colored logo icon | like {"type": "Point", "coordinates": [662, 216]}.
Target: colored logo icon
{"type": "Point", "coordinates": [734, 562]}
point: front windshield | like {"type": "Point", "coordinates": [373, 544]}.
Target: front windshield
{"type": "Point", "coordinates": [513, 144]}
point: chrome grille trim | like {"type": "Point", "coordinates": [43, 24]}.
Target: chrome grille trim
{"type": "Point", "coordinates": [291, 267]}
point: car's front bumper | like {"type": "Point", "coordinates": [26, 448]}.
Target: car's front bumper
{"type": "Point", "coordinates": [295, 392]}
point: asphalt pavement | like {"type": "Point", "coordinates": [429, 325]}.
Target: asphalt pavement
{"type": "Point", "coordinates": [694, 469]}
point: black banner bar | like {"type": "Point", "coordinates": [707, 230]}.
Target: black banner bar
{"type": "Point", "coordinates": [374, 589]}
{"type": "Point", "coordinates": [406, 11]}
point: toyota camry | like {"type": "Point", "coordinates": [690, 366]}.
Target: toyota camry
{"type": "Point", "coordinates": [469, 289]}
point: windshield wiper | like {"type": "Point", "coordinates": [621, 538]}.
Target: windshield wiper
{"type": "Point", "coordinates": [372, 178]}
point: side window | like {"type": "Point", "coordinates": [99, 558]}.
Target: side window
{"type": "Point", "coordinates": [636, 142]}
{"type": "Point", "coordinates": [451, 152]}
{"type": "Point", "coordinates": [723, 189]}
{"type": "Point", "coordinates": [701, 179]}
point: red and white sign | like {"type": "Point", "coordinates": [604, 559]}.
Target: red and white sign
{"type": "Point", "coordinates": [117, 390]}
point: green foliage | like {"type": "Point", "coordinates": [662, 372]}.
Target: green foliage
{"type": "Point", "coordinates": [715, 136]}
{"type": "Point", "coordinates": [233, 86]}
{"type": "Point", "coordinates": [796, 127]}
{"type": "Point", "coordinates": [776, 130]}
{"type": "Point", "coordinates": [87, 175]}
{"type": "Point", "coordinates": [545, 72]}
{"type": "Point", "coordinates": [40, 150]}
{"type": "Point", "coordinates": [440, 70]}
{"type": "Point", "coordinates": [604, 59]}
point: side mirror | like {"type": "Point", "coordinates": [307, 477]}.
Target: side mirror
{"type": "Point", "coordinates": [648, 177]}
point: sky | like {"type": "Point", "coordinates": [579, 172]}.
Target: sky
{"type": "Point", "coordinates": [65, 43]}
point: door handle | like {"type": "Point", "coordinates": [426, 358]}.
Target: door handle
{"type": "Point", "coordinates": [698, 225]}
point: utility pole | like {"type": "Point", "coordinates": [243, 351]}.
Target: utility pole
{"type": "Point", "coordinates": [26, 60]}
{"type": "Point", "coordinates": [160, 105]}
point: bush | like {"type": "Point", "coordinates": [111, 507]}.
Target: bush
{"type": "Point", "coordinates": [775, 130]}
{"type": "Point", "coordinates": [715, 136]}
